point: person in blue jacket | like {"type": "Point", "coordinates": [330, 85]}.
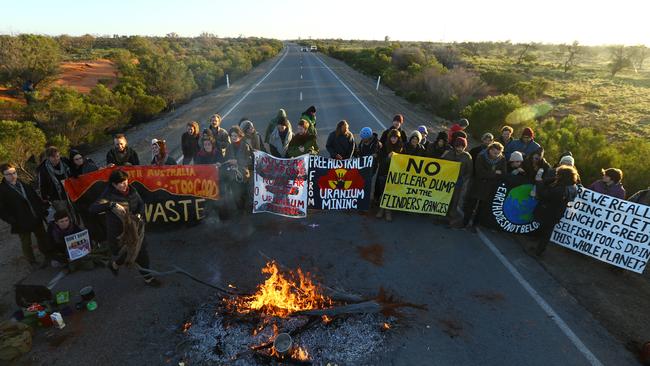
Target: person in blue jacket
{"type": "Point", "coordinates": [526, 144]}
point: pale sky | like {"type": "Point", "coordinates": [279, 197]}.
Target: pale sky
{"type": "Point", "coordinates": [548, 21]}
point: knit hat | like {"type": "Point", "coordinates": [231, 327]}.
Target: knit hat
{"type": "Point", "coordinates": [365, 133]}
{"type": "Point", "coordinates": [442, 135]}
{"type": "Point", "coordinates": [567, 160]}
{"type": "Point", "coordinates": [516, 156]}
{"type": "Point", "coordinates": [417, 134]}
{"type": "Point", "coordinates": [528, 132]}
{"type": "Point", "coordinates": [311, 109]}
{"type": "Point", "coordinates": [487, 135]}
{"type": "Point", "coordinates": [399, 118]}
{"type": "Point", "coordinates": [463, 122]}
{"type": "Point", "coordinates": [460, 141]}
{"type": "Point", "coordinates": [73, 153]}
{"type": "Point", "coordinates": [423, 130]}
{"type": "Point", "coordinates": [245, 125]}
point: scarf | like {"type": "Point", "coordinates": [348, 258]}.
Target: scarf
{"type": "Point", "coordinates": [491, 162]}
{"type": "Point", "coordinates": [62, 170]}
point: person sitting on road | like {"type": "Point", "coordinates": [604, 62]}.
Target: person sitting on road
{"type": "Point", "coordinates": [80, 165]}
{"type": "Point", "coordinates": [303, 142]}
{"type": "Point", "coordinates": [160, 155]}
{"type": "Point", "coordinates": [208, 155]}
{"type": "Point", "coordinates": [57, 230]}
{"type": "Point", "coordinates": [340, 142]}
{"type": "Point", "coordinates": [438, 147]}
{"type": "Point", "coordinates": [273, 124]}
{"type": "Point", "coordinates": [455, 212]}
{"type": "Point", "coordinates": [536, 165]}
{"type": "Point", "coordinates": [610, 184]}
{"type": "Point", "coordinates": [641, 197]}
{"type": "Point", "coordinates": [251, 136]}
{"type": "Point", "coordinates": [489, 168]}
{"type": "Point", "coordinates": [121, 154]}
{"type": "Point", "coordinates": [310, 115]}
{"type": "Point", "coordinates": [526, 144]}
{"type": "Point", "coordinates": [398, 121]}
{"type": "Point", "coordinates": [394, 144]}
{"type": "Point", "coordinates": [280, 138]}
{"type": "Point", "coordinates": [414, 147]}
{"type": "Point", "coordinates": [506, 135]}
{"type": "Point", "coordinates": [190, 142]}
{"type": "Point", "coordinates": [459, 126]}
{"type": "Point", "coordinates": [221, 137]}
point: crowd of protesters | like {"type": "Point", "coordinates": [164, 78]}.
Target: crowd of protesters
{"type": "Point", "coordinates": [482, 167]}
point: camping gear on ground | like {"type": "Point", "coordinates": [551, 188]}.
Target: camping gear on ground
{"type": "Point", "coordinates": [58, 320]}
{"type": "Point", "coordinates": [30, 294]}
{"type": "Point", "coordinates": [87, 293]}
{"type": "Point", "coordinates": [15, 339]}
{"type": "Point", "coordinates": [44, 319]}
{"type": "Point", "coordinates": [91, 305]}
{"type": "Point", "coordinates": [62, 297]}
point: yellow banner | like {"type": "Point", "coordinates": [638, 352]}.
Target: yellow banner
{"type": "Point", "coordinates": [422, 185]}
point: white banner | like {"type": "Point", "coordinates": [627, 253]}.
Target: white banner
{"type": "Point", "coordinates": [280, 185]}
{"type": "Point", "coordinates": [606, 228]}
{"type": "Point", "coordinates": [78, 245]}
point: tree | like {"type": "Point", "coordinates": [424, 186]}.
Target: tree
{"type": "Point", "coordinates": [637, 55]}
{"type": "Point", "coordinates": [168, 78]}
{"type": "Point", "coordinates": [19, 142]}
{"type": "Point", "coordinates": [572, 53]}
{"type": "Point", "coordinates": [29, 57]}
{"type": "Point", "coordinates": [487, 115]}
{"type": "Point", "coordinates": [524, 53]}
{"type": "Point", "coordinates": [386, 39]}
{"type": "Point", "coordinates": [618, 60]}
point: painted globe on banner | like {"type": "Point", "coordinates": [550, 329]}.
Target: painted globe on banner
{"type": "Point", "coordinates": [519, 206]}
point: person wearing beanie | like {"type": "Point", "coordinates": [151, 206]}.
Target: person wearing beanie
{"type": "Point", "coordinates": [610, 184]}
{"type": "Point", "coordinates": [398, 121]}
{"type": "Point", "coordinates": [458, 154]}
{"type": "Point", "coordinates": [369, 145]}
{"type": "Point", "coordinates": [439, 146]}
{"type": "Point", "coordinates": [414, 147]}
{"type": "Point", "coordinates": [251, 136]}
{"type": "Point", "coordinates": [340, 142]}
{"type": "Point", "coordinates": [273, 124]}
{"type": "Point", "coordinates": [57, 230]}
{"type": "Point", "coordinates": [526, 144]}
{"type": "Point", "coordinates": [303, 142]}
{"type": "Point", "coordinates": [80, 165]}
{"type": "Point", "coordinates": [490, 168]}
{"type": "Point", "coordinates": [424, 131]}
{"type": "Point", "coordinates": [394, 144]}
{"type": "Point", "coordinates": [310, 116]}
{"type": "Point", "coordinates": [567, 160]}
{"type": "Point", "coordinates": [280, 138]}
{"type": "Point", "coordinates": [190, 142]}
{"type": "Point", "coordinates": [486, 140]}
{"type": "Point", "coordinates": [506, 135]}
{"type": "Point", "coordinates": [459, 126]}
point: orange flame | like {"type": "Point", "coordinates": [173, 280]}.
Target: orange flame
{"type": "Point", "coordinates": [326, 319]}
{"type": "Point", "coordinates": [300, 354]}
{"type": "Point", "coordinates": [281, 295]}
{"type": "Point", "coordinates": [386, 326]}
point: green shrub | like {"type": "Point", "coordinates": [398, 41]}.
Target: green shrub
{"type": "Point", "coordinates": [19, 142]}
{"type": "Point", "coordinates": [489, 114]}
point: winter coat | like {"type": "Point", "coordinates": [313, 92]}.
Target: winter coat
{"type": "Point", "coordinates": [168, 160]}
{"type": "Point", "coordinates": [340, 145]}
{"type": "Point", "coordinates": [47, 186]}
{"type": "Point", "coordinates": [477, 150]}
{"type": "Point", "coordinates": [88, 166]}
{"type": "Point", "coordinates": [384, 136]}
{"type": "Point", "coordinates": [417, 150]}
{"type": "Point", "coordinates": [641, 197]}
{"type": "Point", "coordinates": [451, 133]}
{"type": "Point", "coordinates": [278, 146]}
{"type": "Point", "coordinates": [370, 148]}
{"type": "Point", "coordinates": [132, 201]}
{"type": "Point", "coordinates": [255, 141]}
{"type": "Point", "coordinates": [531, 171]}
{"type": "Point", "coordinates": [243, 153]}
{"type": "Point", "coordinates": [435, 151]}
{"type": "Point", "coordinates": [221, 137]}
{"type": "Point", "coordinates": [523, 148]}
{"type": "Point", "coordinates": [312, 122]}
{"type": "Point", "coordinates": [552, 200]}
{"type": "Point", "coordinates": [190, 145]}
{"type": "Point", "coordinates": [15, 210]}
{"type": "Point", "coordinates": [57, 236]}
{"type": "Point", "coordinates": [466, 166]}
{"type": "Point", "coordinates": [504, 142]}
{"type": "Point", "coordinates": [485, 176]}
{"type": "Point", "coordinates": [614, 190]}
{"type": "Point", "coordinates": [208, 158]}
{"type": "Point", "coordinates": [129, 156]}
{"type": "Point", "coordinates": [384, 159]}
{"type": "Point", "coordinates": [306, 141]}
{"type": "Point", "coordinates": [273, 124]}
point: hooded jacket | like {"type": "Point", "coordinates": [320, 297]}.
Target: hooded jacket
{"type": "Point", "coordinates": [614, 190]}
{"type": "Point", "coordinates": [524, 148]}
{"type": "Point", "coordinates": [370, 148]}
{"type": "Point", "coordinates": [277, 146]}
{"type": "Point", "coordinates": [308, 143]}
{"type": "Point", "coordinates": [417, 150]}
{"type": "Point", "coordinates": [273, 124]}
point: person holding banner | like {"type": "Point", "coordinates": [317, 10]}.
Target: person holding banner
{"type": "Point", "coordinates": [251, 136]}
{"type": "Point", "coordinates": [160, 154]}
{"type": "Point", "coordinates": [190, 142]}
{"type": "Point", "coordinates": [438, 147]}
{"type": "Point", "coordinates": [610, 184]}
{"type": "Point", "coordinates": [641, 197]}
{"type": "Point", "coordinates": [490, 167]}
{"type": "Point", "coordinates": [280, 138]}
{"type": "Point", "coordinates": [424, 131]}
{"type": "Point", "coordinates": [414, 147]}
{"type": "Point", "coordinates": [303, 142]}
{"type": "Point", "coordinates": [369, 146]}
{"type": "Point", "coordinates": [457, 203]}
{"type": "Point", "coordinates": [516, 173]}
{"type": "Point", "coordinates": [221, 138]}
{"type": "Point", "coordinates": [80, 164]}
{"type": "Point", "coordinates": [208, 155]}
{"type": "Point", "coordinates": [535, 165]}
{"type": "Point", "coordinates": [340, 143]}
{"type": "Point", "coordinates": [121, 154]}
{"type": "Point", "coordinates": [237, 169]}
{"type": "Point", "coordinates": [553, 196]}
{"type": "Point", "coordinates": [394, 144]}
{"type": "Point", "coordinates": [57, 230]}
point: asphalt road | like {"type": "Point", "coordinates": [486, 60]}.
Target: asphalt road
{"type": "Point", "coordinates": [488, 303]}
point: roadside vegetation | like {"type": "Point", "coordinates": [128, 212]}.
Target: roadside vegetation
{"type": "Point", "coordinates": [153, 75]}
{"type": "Point", "coordinates": [592, 101]}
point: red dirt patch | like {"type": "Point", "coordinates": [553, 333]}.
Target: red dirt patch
{"type": "Point", "coordinates": [372, 253]}
{"type": "Point", "coordinates": [9, 95]}
{"type": "Point", "coordinates": [84, 75]}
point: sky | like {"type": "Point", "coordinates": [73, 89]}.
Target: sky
{"type": "Point", "coordinates": [548, 21]}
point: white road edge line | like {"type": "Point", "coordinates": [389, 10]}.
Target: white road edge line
{"type": "Point", "coordinates": [351, 92]}
{"type": "Point", "coordinates": [179, 160]}
{"type": "Point", "coordinates": [593, 360]}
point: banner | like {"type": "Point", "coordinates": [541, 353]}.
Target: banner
{"type": "Point", "coordinates": [609, 229]}
{"type": "Point", "coordinates": [511, 209]}
{"type": "Point", "coordinates": [174, 193]}
{"type": "Point", "coordinates": [280, 185]}
{"type": "Point", "coordinates": [340, 184]}
{"type": "Point", "coordinates": [417, 184]}
{"type": "Point", "coordinates": [78, 245]}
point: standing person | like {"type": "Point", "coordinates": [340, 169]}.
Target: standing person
{"type": "Point", "coordinates": [340, 143]}
{"type": "Point", "coordinates": [251, 136]}
{"type": "Point", "coordinates": [610, 184]}
{"type": "Point", "coordinates": [438, 147]}
{"type": "Point", "coordinates": [486, 140]}
{"type": "Point", "coordinates": [566, 159]}
{"type": "Point", "coordinates": [238, 168]}
{"type": "Point", "coordinates": [369, 146]}
{"type": "Point", "coordinates": [208, 154]}
{"type": "Point", "coordinates": [310, 115]}
{"type": "Point", "coordinates": [489, 168]}
{"type": "Point", "coordinates": [457, 203]}
{"type": "Point", "coordinates": [459, 126]}
{"type": "Point", "coordinates": [221, 137]}
{"type": "Point", "coordinates": [398, 121]}
{"type": "Point", "coordinates": [159, 153]}
{"type": "Point", "coordinates": [394, 144]}
{"type": "Point", "coordinates": [424, 131]}
{"type": "Point", "coordinates": [24, 211]}
{"type": "Point", "coordinates": [123, 206]}
{"type": "Point", "coordinates": [516, 173]}
{"type": "Point", "coordinates": [506, 135]}
{"type": "Point", "coordinates": [280, 138]}
{"type": "Point", "coordinates": [414, 147]}
{"type": "Point", "coordinates": [303, 142]}
{"type": "Point", "coordinates": [641, 197]}
{"type": "Point", "coordinates": [553, 196]}
{"type": "Point", "coordinates": [190, 142]}
{"type": "Point", "coordinates": [526, 144]}
{"type": "Point", "coordinates": [80, 165]}
{"type": "Point", "coordinates": [273, 124]}
{"type": "Point", "coordinates": [121, 154]}
{"type": "Point", "coordinates": [57, 230]}
{"type": "Point", "coordinates": [51, 173]}
{"type": "Point", "coordinates": [535, 165]}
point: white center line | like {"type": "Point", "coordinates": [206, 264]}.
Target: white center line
{"type": "Point", "coordinates": [301, 96]}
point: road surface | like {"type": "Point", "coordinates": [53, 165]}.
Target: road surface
{"type": "Point", "coordinates": [488, 303]}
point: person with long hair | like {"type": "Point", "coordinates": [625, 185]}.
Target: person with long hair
{"type": "Point", "coordinates": [190, 142]}
{"type": "Point", "coordinates": [536, 165]}
{"type": "Point", "coordinates": [394, 144]}
{"type": "Point", "coordinates": [280, 138]}
{"type": "Point", "coordinates": [463, 182]}
{"type": "Point", "coordinates": [159, 153]}
{"type": "Point", "coordinates": [340, 143]}
{"type": "Point", "coordinates": [610, 184]}
{"type": "Point", "coordinates": [553, 196]}
{"type": "Point", "coordinates": [237, 168]}
{"type": "Point", "coordinates": [208, 153]}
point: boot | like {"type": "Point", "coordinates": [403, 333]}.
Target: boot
{"type": "Point", "coordinates": [389, 216]}
{"type": "Point", "coordinates": [380, 213]}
